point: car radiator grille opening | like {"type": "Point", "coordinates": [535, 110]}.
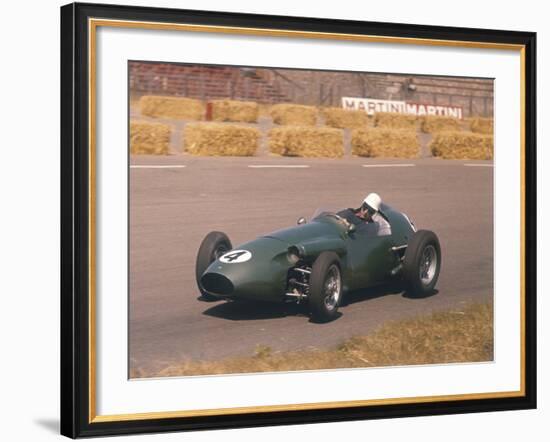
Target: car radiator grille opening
{"type": "Point", "coordinates": [217, 284]}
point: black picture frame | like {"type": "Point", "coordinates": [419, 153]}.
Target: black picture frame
{"type": "Point", "coordinates": [75, 219]}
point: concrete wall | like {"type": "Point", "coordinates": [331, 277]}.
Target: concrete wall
{"type": "Point", "coordinates": [268, 86]}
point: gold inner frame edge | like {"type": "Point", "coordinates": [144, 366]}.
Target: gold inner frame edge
{"type": "Point", "coordinates": [92, 28]}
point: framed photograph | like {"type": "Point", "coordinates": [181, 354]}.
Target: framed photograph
{"type": "Point", "coordinates": [275, 220]}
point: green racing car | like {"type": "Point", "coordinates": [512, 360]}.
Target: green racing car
{"type": "Point", "coordinates": [317, 262]}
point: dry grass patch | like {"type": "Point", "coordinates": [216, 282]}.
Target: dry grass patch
{"type": "Point", "coordinates": [294, 114]}
{"type": "Point", "coordinates": [233, 110]}
{"type": "Point", "coordinates": [344, 119]}
{"type": "Point", "coordinates": [458, 335]}
{"type": "Point", "coordinates": [171, 107]}
{"type": "Point", "coordinates": [390, 143]}
{"type": "Point", "coordinates": [392, 120]}
{"type": "Point", "coordinates": [431, 124]}
{"type": "Point", "coordinates": [462, 146]}
{"type": "Point", "coordinates": [482, 125]}
{"type": "Point", "coordinates": [303, 141]}
{"type": "Point", "coordinates": [213, 139]}
{"type": "Point", "coordinates": [149, 138]}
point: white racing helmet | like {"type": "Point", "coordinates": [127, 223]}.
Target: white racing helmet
{"type": "Point", "coordinates": [372, 202]}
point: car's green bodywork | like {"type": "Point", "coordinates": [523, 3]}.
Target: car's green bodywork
{"type": "Point", "coordinates": [366, 259]}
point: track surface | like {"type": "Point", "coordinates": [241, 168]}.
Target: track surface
{"type": "Point", "coordinates": [171, 209]}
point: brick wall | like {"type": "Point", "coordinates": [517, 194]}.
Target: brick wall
{"type": "Point", "coordinates": [307, 87]}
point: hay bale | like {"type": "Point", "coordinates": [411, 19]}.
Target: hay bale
{"type": "Point", "coordinates": [462, 146]}
{"type": "Point", "coordinates": [393, 120]}
{"type": "Point", "coordinates": [294, 114]}
{"type": "Point", "coordinates": [344, 119]}
{"type": "Point", "coordinates": [232, 110]}
{"type": "Point", "coordinates": [482, 126]}
{"type": "Point", "coordinates": [432, 123]}
{"type": "Point", "coordinates": [304, 141]}
{"type": "Point", "coordinates": [149, 138]}
{"type": "Point", "coordinates": [213, 139]}
{"type": "Point", "coordinates": [171, 107]}
{"type": "Point", "coordinates": [390, 143]}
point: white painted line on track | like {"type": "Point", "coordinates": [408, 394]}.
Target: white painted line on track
{"type": "Point", "coordinates": [279, 166]}
{"type": "Point", "coordinates": [390, 165]}
{"type": "Point", "coordinates": [157, 166]}
{"type": "Point", "coordinates": [478, 165]}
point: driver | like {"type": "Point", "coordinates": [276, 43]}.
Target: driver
{"type": "Point", "coordinates": [369, 212]}
{"type": "Point", "coordinates": [369, 208]}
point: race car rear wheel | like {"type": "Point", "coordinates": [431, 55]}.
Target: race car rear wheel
{"type": "Point", "coordinates": [214, 245]}
{"type": "Point", "coordinates": [325, 287]}
{"type": "Point", "coordinates": [422, 263]}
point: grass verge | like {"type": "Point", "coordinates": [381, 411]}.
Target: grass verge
{"type": "Point", "coordinates": [457, 335]}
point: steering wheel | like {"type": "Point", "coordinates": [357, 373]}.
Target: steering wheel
{"type": "Point", "coordinates": [341, 219]}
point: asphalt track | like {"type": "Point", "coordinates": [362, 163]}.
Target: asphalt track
{"type": "Point", "coordinates": [173, 206]}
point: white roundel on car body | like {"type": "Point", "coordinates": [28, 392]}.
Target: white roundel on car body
{"type": "Point", "coordinates": [236, 256]}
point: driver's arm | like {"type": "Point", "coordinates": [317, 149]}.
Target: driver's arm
{"type": "Point", "coordinates": [350, 216]}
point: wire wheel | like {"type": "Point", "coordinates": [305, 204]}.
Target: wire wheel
{"type": "Point", "coordinates": [332, 287]}
{"type": "Point", "coordinates": [220, 251]}
{"type": "Point", "coordinates": [325, 287]}
{"type": "Point", "coordinates": [428, 265]}
{"type": "Point", "coordinates": [213, 246]}
{"type": "Point", "coordinates": [422, 263]}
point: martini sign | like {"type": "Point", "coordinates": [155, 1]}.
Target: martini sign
{"type": "Point", "coordinates": [372, 106]}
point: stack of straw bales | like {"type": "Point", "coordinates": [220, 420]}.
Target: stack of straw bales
{"type": "Point", "coordinates": [392, 143]}
{"type": "Point", "coordinates": [294, 114]}
{"type": "Point", "coordinates": [171, 107]}
{"type": "Point", "coordinates": [432, 123]}
{"type": "Point", "coordinates": [482, 125]}
{"type": "Point", "coordinates": [149, 138]}
{"type": "Point", "coordinates": [462, 146]}
{"type": "Point", "coordinates": [344, 119]}
{"type": "Point", "coordinates": [233, 110]}
{"type": "Point", "coordinates": [393, 120]}
{"type": "Point", "coordinates": [213, 139]}
{"type": "Point", "coordinates": [304, 141]}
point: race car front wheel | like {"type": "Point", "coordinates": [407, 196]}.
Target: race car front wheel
{"type": "Point", "coordinates": [422, 263]}
{"type": "Point", "coordinates": [214, 245]}
{"type": "Point", "coordinates": [325, 287]}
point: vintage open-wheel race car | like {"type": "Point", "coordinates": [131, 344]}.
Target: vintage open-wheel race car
{"type": "Point", "coordinates": [317, 262]}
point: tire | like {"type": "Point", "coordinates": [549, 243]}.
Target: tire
{"type": "Point", "coordinates": [322, 304]}
{"type": "Point", "coordinates": [214, 245]}
{"type": "Point", "coordinates": [422, 263]}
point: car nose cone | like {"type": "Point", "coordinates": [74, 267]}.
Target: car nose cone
{"type": "Point", "coordinates": [217, 284]}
